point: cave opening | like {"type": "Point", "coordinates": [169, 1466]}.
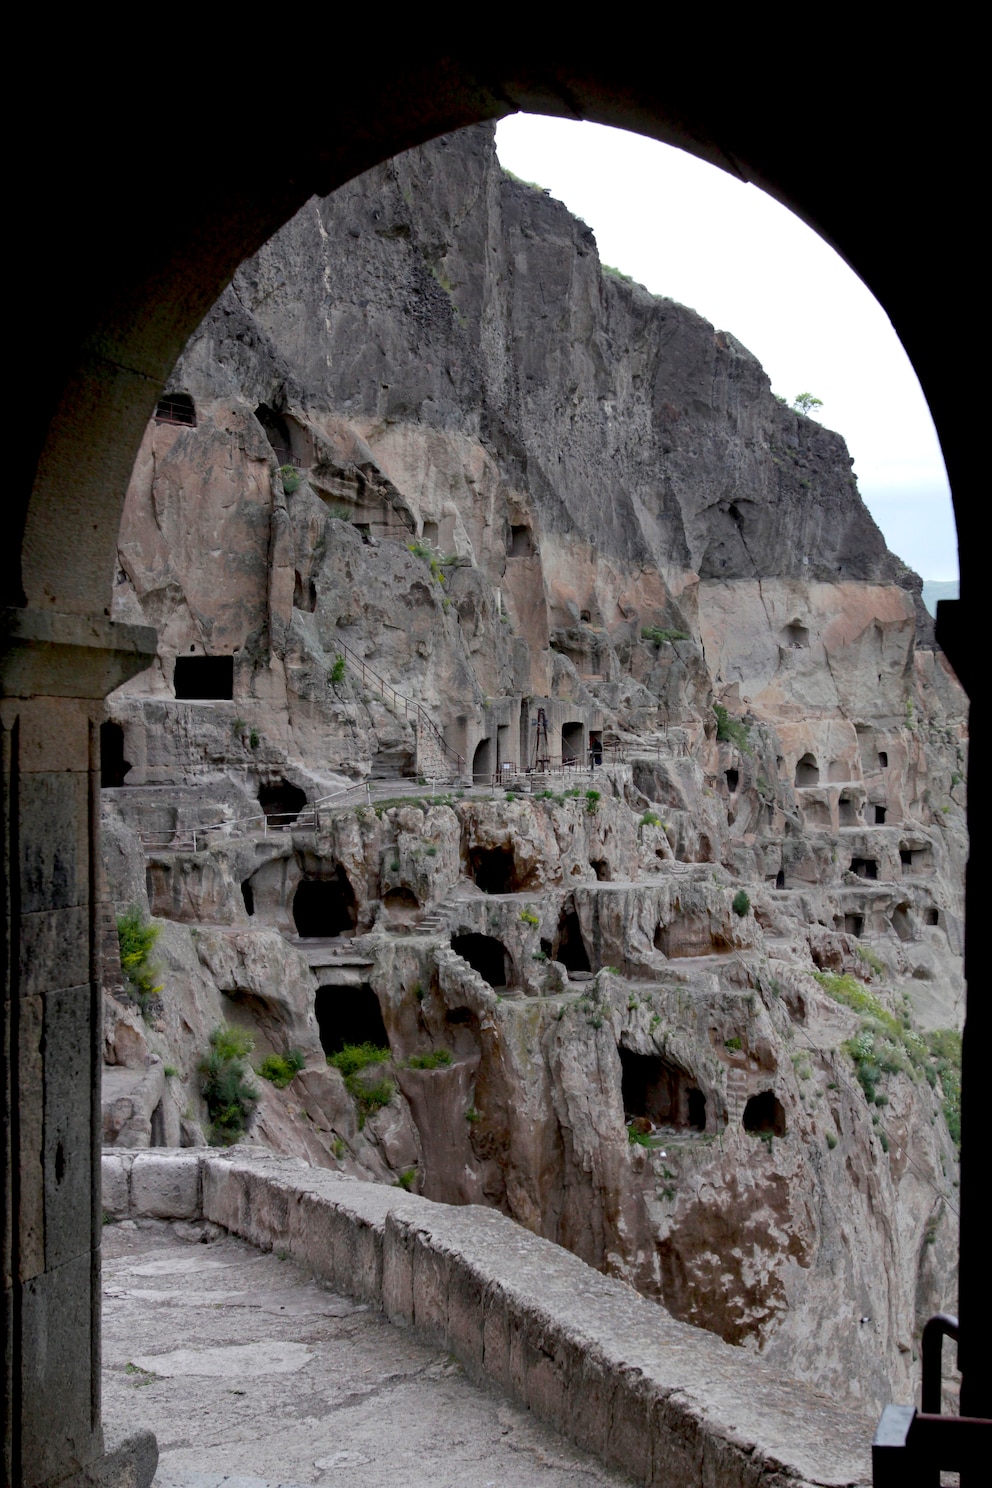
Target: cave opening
{"type": "Point", "coordinates": [521, 544]}
{"type": "Point", "coordinates": [176, 408]}
{"type": "Point", "coordinates": [764, 1115]}
{"type": "Point", "coordinates": [304, 593]}
{"type": "Point", "coordinates": [281, 802]}
{"type": "Point", "coordinates": [570, 948]}
{"type": "Point", "coordinates": [324, 908]}
{"type": "Point", "coordinates": [494, 870]}
{"type": "Point", "coordinates": [733, 780]}
{"type": "Point", "coordinates": [601, 868]}
{"type": "Point", "coordinates": [482, 762]}
{"type": "Point", "coordinates": [349, 1015]}
{"type": "Point", "coordinates": [113, 765]}
{"type": "Point", "coordinates": [854, 924]}
{"type": "Point", "coordinates": [486, 955]}
{"type": "Point", "coordinates": [571, 741]}
{"type": "Point", "coordinates": [661, 1092]}
{"type": "Point", "coordinates": [880, 816]}
{"type": "Point", "coordinates": [807, 771]}
{"type": "Point", "coordinates": [864, 867]}
{"type": "Point", "coordinates": [248, 895]}
{"type": "Point", "coordinates": [847, 812]}
{"type": "Point", "coordinates": [204, 678]}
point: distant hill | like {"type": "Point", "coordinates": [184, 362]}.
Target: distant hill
{"type": "Point", "coordinates": [934, 589]}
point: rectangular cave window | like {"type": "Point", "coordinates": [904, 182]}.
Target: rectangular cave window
{"type": "Point", "coordinates": [864, 867]}
{"type": "Point", "coordinates": [883, 760]}
{"type": "Point", "coordinates": [880, 816]}
{"type": "Point", "coordinates": [203, 678]}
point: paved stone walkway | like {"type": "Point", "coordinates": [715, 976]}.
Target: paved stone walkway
{"type": "Point", "coordinates": [253, 1375]}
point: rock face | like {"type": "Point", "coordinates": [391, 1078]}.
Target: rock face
{"type": "Point", "coordinates": [434, 495]}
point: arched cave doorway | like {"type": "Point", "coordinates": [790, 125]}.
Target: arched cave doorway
{"type": "Point", "coordinates": [660, 1091]}
{"type": "Point", "coordinates": [764, 1115]}
{"type": "Point", "coordinates": [807, 771]}
{"type": "Point", "coordinates": [486, 955]}
{"type": "Point", "coordinates": [349, 1015]}
{"type": "Point", "coordinates": [482, 762]}
{"type": "Point", "coordinates": [494, 869]}
{"type": "Point", "coordinates": [324, 907]}
{"type": "Point", "coordinates": [281, 802]}
{"type": "Point", "coordinates": [569, 945]}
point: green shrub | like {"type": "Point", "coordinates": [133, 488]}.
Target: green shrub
{"type": "Point", "coordinates": [291, 479]}
{"type": "Point", "coordinates": [731, 730]}
{"type": "Point", "coordinates": [592, 800]}
{"type": "Point", "coordinates": [136, 940]}
{"type": "Point", "coordinates": [529, 917]}
{"type": "Point", "coordinates": [741, 903]}
{"type": "Point", "coordinates": [831, 1141]}
{"type": "Point", "coordinates": [732, 1043]}
{"type": "Point", "coordinates": [279, 1069]}
{"type": "Point", "coordinates": [868, 956]}
{"type": "Point", "coordinates": [407, 1179]}
{"type": "Point", "coordinates": [226, 1085]}
{"type": "Point", "coordinates": [338, 670]}
{"type": "Point", "coordinates": [650, 819]}
{"type": "Point", "coordinates": [662, 637]}
{"type": "Point", "coordinates": [472, 1116]}
{"type": "Point", "coordinates": [369, 1095]}
{"type": "Point", "coordinates": [436, 1059]}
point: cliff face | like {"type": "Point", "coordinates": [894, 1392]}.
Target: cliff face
{"type": "Point", "coordinates": [457, 502]}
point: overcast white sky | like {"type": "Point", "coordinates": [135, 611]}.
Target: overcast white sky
{"type": "Point", "coordinates": [685, 229]}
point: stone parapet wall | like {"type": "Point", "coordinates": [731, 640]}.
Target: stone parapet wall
{"type": "Point", "coordinates": [669, 1403]}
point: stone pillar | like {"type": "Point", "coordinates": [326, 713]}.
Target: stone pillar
{"type": "Point", "coordinates": [56, 670]}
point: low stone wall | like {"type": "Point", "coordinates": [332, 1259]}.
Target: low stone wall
{"type": "Point", "coordinates": [672, 1405]}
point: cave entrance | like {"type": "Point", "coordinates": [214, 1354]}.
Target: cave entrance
{"type": "Point", "coordinates": [494, 870]}
{"type": "Point", "coordinates": [796, 635]}
{"type": "Point", "coordinates": [864, 867]}
{"type": "Point", "coordinates": [733, 779]}
{"type": "Point", "coordinates": [847, 812]}
{"type": "Point", "coordinates": [521, 543]}
{"type": "Point", "coordinates": [807, 771]}
{"type": "Point", "coordinates": [324, 908]}
{"type": "Point", "coordinates": [204, 678]}
{"type": "Point", "coordinates": [281, 802]}
{"type": "Point", "coordinates": [349, 1015]}
{"type": "Point", "coordinates": [854, 924]}
{"type": "Point", "coordinates": [572, 735]}
{"type": "Point", "coordinates": [569, 946]}
{"type": "Point", "coordinates": [402, 905]}
{"type": "Point", "coordinates": [482, 762]}
{"type": "Point", "coordinates": [880, 816]}
{"type": "Point", "coordinates": [113, 765]}
{"type": "Point", "coordinates": [902, 922]}
{"type": "Point", "coordinates": [486, 955]}
{"type": "Point", "coordinates": [660, 1091]}
{"type": "Point", "coordinates": [764, 1115]}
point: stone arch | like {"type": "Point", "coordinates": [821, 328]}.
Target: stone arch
{"type": "Point", "coordinates": [138, 296]}
{"type": "Point", "coordinates": [482, 762]}
{"type": "Point", "coordinates": [324, 906]}
{"type": "Point", "coordinates": [807, 771]}
{"type": "Point", "coordinates": [764, 1115]}
{"type": "Point", "coordinates": [486, 955]}
{"type": "Point", "coordinates": [176, 408]}
{"type": "Point", "coordinates": [349, 1015]}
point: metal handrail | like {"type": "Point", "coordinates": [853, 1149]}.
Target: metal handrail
{"type": "Point", "coordinates": [942, 1325]}
{"type": "Point", "coordinates": [358, 664]}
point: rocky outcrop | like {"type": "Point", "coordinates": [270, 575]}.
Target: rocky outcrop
{"type": "Point", "coordinates": [436, 495]}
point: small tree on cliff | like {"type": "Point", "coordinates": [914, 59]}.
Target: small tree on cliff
{"type": "Point", "coordinates": [807, 403]}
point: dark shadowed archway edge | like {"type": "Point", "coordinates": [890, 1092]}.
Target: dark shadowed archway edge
{"type": "Point", "coordinates": [125, 248]}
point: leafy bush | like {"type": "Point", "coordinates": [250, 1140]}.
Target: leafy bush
{"type": "Point", "coordinates": [338, 670]}
{"type": "Point", "coordinates": [136, 940]}
{"type": "Point", "coordinates": [592, 800]}
{"type": "Point", "coordinates": [650, 819]}
{"type": "Point", "coordinates": [731, 730]}
{"type": "Point", "coordinates": [291, 479]}
{"type": "Point", "coordinates": [662, 637]}
{"type": "Point", "coordinates": [741, 903]}
{"type": "Point", "coordinates": [226, 1087]}
{"type": "Point", "coordinates": [436, 1059]}
{"type": "Point", "coordinates": [279, 1069]}
{"type": "Point", "coordinates": [529, 917]}
{"type": "Point", "coordinates": [732, 1043]}
{"type": "Point", "coordinates": [369, 1095]}
{"type": "Point", "coordinates": [406, 1180]}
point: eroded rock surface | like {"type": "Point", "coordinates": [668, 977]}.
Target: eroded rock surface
{"type": "Point", "coordinates": [444, 499]}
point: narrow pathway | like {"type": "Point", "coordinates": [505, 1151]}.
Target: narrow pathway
{"type": "Point", "coordinates": [253, 1375]}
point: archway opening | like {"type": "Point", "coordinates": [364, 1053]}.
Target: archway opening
{"type": "Point", "coordinates": [482, 762]}
{"type": "Point", "coordinates": [349, 1015]}
{"type": "Point", "coordinates": [764, 1115]}
{"type": "Point", "coordinates": [113, 765]}
{"type": "Point", "coordinates": [807, 771]}
{"type": "Point", "coordinates": [663, 1093]}
{"type": "Point", "coordinates": [281, 802]}
{"type": "Point", "coordinates": [494, 870]}
{"type": "Point", "coordinates": [486, 955]}
{"type": "Point", "coordinates": [324, 908]}
{"type": "Point", "coordinates": [569, 945]}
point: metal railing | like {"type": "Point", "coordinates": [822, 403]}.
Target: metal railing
{"type": "Point", "coordinates": [367, 674]}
